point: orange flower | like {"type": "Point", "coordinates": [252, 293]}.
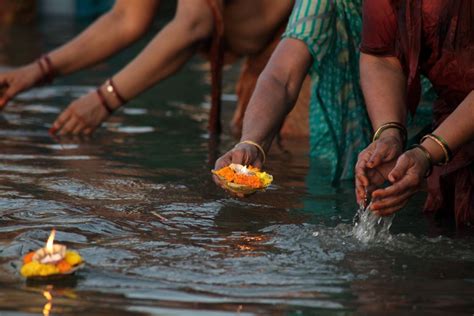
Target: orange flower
{"type": "Point", "coordinates": [227, 173]}
{"type": "Point", "coordinates": [250, 181]}
{"type": "Point", "coordinates": [28, 257]}
{"type": "Point", "coordinates": [63, 266]}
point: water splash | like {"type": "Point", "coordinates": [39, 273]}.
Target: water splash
{"type": "Point", "coordinates": [369, 227]}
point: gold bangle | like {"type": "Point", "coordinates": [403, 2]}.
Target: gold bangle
{"type": "Point", "coordinates": [428, 157]}
{"type": "Point", "coordinates": [444, 146]}
{"type": "Point", "coordinates": [256, 145]}
{"type": "Point", "coordinates": [388, 125]}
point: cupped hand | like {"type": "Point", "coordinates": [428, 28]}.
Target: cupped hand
{"type": "Point", "coordinates": [407, 178]}
{"type": "Point", "coordinates": [81, 117]}
{"type": "Point", "coordinates": [375, 163]}
{"type": "Point", "coordinates": [18, 80]}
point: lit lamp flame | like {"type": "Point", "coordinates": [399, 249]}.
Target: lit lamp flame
{"type": "Point", "coordinates": [52, 252]}
{"type": "Point", "coordinates": [49, 305]}
{"type": "Point", "coordinates": [50, 242]}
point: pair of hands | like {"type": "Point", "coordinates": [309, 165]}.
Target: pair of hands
{"type": "Point", "coordinates": [81, 117]}
{"type": "Point", "coordinates": [384, 160]}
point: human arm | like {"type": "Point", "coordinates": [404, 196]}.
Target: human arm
{"type": "Point", "coordinates": [162, 57]}
{"type": "Point", "coordinates": [274, 97]}
{"type": "Point", "coordinates": [408, 174]}
{"type": "Point", "coordinates": [383, 83]}
{"type": "Point", "coordinates": [114, 30]}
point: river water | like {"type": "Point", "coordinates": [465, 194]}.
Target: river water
{"type": "Point", "coordinates": [137, 200]}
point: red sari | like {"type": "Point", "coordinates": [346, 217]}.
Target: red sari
{"type": "Point", "coordinates": [435, 38]}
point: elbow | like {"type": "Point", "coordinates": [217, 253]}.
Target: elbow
{"type": "Point", "coordinates": [131, 25]}
{"type": "Point", "coordinates": [276, 82]}
{"type": "Point", "coordinates": [198, 28]}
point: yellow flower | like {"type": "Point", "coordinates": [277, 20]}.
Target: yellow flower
{"type": "Point", "coordinates": [34, 268]}
{"type": "Point", "coordinates": [73, 258]}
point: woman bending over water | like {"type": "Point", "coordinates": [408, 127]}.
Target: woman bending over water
{"type": "Point", "coordinates": [401, 40]}
{"type": "Point", "coordinates": [223, 29]}
{"type": "Point", "coordinates": [322, 39]}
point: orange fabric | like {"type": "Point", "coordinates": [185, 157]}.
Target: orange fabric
{"type": "Point", "coordinates": [217, 62]}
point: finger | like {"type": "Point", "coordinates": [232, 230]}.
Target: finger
{"type": "Point", "coordinates": [6, 96]}
{"type": "Point", "coordinates": [360, 169]}
{"type": "Point", "coordinates": [398, 188]}
{"type": "Point", "coordinates": [400, 169]}
{"type": "Point", "coordinates": [360, 189]}
{"type": "Point", "coordinates": [223, 161]}
{"type": "Point", "coordinates": [389, 211]}
{"type": "Point", "coordinates": [391, 201]}
{"type": "Point", "coordinates": [61, 120]}
{"type": "Point", "coordinates": [88, 131]}
{"type": "Point", "coordinates": [69, 126]}
{"type": "Point", "coordinates": [79, 128]}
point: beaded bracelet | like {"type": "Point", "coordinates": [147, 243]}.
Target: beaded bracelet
{"type": "Point", "coordinates": [428, 157]}
{"type": "Point", "coordinates": [388, 125]}
{"type": "Point", "coordinates": [444, 146]}
{"type": "Point", "coordinates": [112, 89]}
{"type": "Point", "coordinates": [256, 145]}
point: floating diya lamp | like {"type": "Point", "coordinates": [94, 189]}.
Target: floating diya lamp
{"type": "Point", "coordinates": [52, 260]}
{"type": "Point", "coordinates": [241, 179]}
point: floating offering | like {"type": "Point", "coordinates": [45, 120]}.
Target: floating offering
{"type": "Point", "coordinates": [50, 261]}
{"type": "Point", "coordinates": [243, 179]}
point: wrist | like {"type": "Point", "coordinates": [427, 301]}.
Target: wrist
{"type": "Point", "coordinates": [394, 130]}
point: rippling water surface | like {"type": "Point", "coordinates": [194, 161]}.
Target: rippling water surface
{"type": "Point", "coordinates": [160, 238]}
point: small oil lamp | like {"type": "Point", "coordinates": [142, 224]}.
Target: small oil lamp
{"type": "Point", "coordinates": [53, 259]}
{"type": "Point", "coordinates": [52, 253]}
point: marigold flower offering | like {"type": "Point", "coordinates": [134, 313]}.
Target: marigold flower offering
{"type": "Point", "coordinates": [243, 179]}
{"type": "Point", "coordinates": [52, 260]}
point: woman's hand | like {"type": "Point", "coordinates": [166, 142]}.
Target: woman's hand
{"type": "Point", "coordinates": [18, 80]}
{"type": "Point", "coordinates": [244, 154]}
{"type": "Point", "coordinates": [375, 163]}
{"type": "Point", "coordinates": [81, 117]}
{"type": "Point", "coordinates": [407, 177]}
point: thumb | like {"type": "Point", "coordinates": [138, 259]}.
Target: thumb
{"type": "Point", "coordinates": [399, 170]}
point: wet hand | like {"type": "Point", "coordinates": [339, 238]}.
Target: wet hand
{"type": "Point", "coordinates": [18, 80]}
{"type": "Point", "coordinates": [407, 177]}
{"type": "Point", "coordinates": [375, 163]}
{"type": "Point", "coordinates": [81, 117]}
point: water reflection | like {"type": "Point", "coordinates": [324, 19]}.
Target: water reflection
{"type": "Point", "coordinates": [138, 202]}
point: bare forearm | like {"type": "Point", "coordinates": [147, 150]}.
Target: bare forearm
{"type": "Point", "coordinates": [276, 91]}
{"type": "Point", "coordinates": [164, 56]}
{"type": "Point", "coordinates": [267, 110]}
{"type": "Point", "coordinates": [383, 84]}
{"type": "Point", "coordinates": [112, 32]}
{"type": "Point", "coordinates": [457, 129]}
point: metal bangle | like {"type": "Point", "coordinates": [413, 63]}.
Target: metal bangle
{"type": "Point", "coordinates": [444, 146]}
{"type": "Point", "coordinates": [389, 125]}
{"type": "Point", "coordinates": [428, 157]}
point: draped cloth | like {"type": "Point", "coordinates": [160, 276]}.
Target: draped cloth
{"type": "Point", "coordinates": [434, 38]}
{"type": "Point", "coordinates": [251, 69]}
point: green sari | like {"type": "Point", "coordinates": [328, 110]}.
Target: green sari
{"type": "Point", "coordinates": [339, 124]}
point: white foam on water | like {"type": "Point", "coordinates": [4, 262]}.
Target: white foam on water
{"type": "Point", "coordinates": [369, 227]}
